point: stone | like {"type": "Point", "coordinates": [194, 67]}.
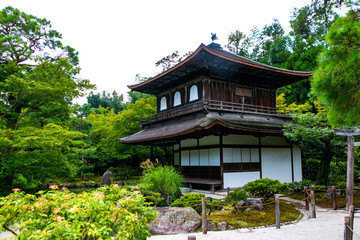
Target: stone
{"type": "Point", "coordinates": [256, 202]}
{"type": "Point", "coordinates": [120, 183]}
{"type": "Point", "coordinates": [106, 178]}
{"type": "Point", "coordinates": [222, 226]}
{"type": "Point", "coordinates": [230, 227]}
{"type": "Point", "coordinates": [176, 220]}
{"type": "Point", "coordinates": [211, 226]}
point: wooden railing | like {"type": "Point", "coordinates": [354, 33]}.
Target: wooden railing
{"type": "Point", "coordinates": [215, 105]}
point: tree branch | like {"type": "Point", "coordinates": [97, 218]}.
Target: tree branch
{"type": "Point", "coordinates": [8, 229]}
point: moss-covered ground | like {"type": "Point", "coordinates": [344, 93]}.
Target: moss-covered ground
{"type": "Point", "coordinates": [253, 218]}
{"type": "Point", "coordinates": [326, 202]}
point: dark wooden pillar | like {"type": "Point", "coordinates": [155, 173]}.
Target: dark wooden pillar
{"type": "Point", "coordinates": [350, 173]}
{"type": "Point", "coordinates": [260, 157]}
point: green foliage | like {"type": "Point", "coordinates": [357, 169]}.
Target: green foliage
{"type": "Point", "coordinates": [336, 79]}
{"type": "Point", "coordinates": [319, 187]}
{"type": "Point", "coordinates": [26, 37]}
{"type": "Point", "coordinates": [316, 138]}
{"type": "Point", "coordinates": [299, 186]}
{"type": "Point", "coordinates": [311, 168]}
{"type": "Point", "coordinates": [265, 188]}
{"type": "Point", "coordinates": [190, 200]}
{"type": "Point", "coordinates": [33, 156]}
{"type": "Point", "coordinates": [108, 127]}
{"type": "Point", "coordinates": [106, 100]}
{"type": "Point", "coordinates": [104, 213]}
{"type": "Point", "coordinates": [171, 60]}
{"type": "Point", "coordinates": [121, 172]}
{"type": "Point", "coordinates": [235, 196]}
{"type": "Point", "coordinates": [164, 180]}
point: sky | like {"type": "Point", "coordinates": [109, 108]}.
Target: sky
{"type": "Point", "coordinates": [117, 39]}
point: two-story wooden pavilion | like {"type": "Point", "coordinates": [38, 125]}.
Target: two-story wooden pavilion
{"type": "Point", "coordinates": [218, 111]}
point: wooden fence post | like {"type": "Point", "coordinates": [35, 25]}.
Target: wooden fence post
{"type": "Point", "coordinates": [313, 210]}
{"type": "Point", "coordinates": [277, 210]}
{"type": "Point", "coordinates": [192, 237]}
{"type": "Point", "coordinates": [306, 195]}
{"type": "Point", "coordinates": [334, 197]}
{"type": "Point", "coordinates": [203, 211]}
{"type": "Point", "coordinates": [351, 215]}
{"type": "Point", "coordinates": [347, 230]}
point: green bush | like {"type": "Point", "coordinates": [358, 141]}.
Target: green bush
{"type": "Point", "coordinates": [265, 188]}
{"type": "Point", "coordinates": [164, 180]}
{"type": "Point", "coordinates": [104, 213]}
{"type": "Point", "coordinates": [189, 200]}
{"type": "Point", "coordinates": [235, 196]}
{"type": "Point", "coordinates": [299, 186]}
{"type": "Point", "coordinates": [122, 172]}
{"type": "Point", "coordinates": [319, 187]}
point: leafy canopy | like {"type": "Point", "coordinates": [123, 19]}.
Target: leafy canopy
{"type": "Point", "coordinates": [337, 78]}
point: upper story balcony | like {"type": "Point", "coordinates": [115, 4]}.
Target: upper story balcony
{"type": "Point", "coordinates": [208, 105]}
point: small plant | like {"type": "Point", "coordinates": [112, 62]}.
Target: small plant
{"type": "Point", "coordinates": [104, 213]}
{"type": "Point", "coordinates": [235, 196]}
{"type": "Point", "coordinates": [164, 180]}
{"type": "Point", "coordinates": [319, 187]}
{"type": "Point", "coordinates": [265, 188]}
{"type": "Point", "coordinates": [299, 186]}
{"type": "Point", "coordinates": [123, 172]}
{"type": "Point", "coordinates": [190, 200]}
{"type": "Point", "coordinates": [214, 205]}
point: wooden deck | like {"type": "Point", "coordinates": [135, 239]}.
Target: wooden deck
{"type": "Point", "coordinates": [210, 182]}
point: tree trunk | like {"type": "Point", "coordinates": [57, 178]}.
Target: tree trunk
{"type": "Point", "coordinates": [322, 177]}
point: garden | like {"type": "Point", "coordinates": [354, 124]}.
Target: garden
{"type": "Point", "coordinates": [127, 211]}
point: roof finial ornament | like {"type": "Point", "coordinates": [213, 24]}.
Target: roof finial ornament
{"type": "Point", "coordinates": [214, 37]}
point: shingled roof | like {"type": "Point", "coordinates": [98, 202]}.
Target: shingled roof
{"type": "Point", "coordinates": [180, 128]}
{"type": "Point", "coordinates": [213, 61]}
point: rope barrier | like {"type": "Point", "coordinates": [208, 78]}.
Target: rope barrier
{"type": "Point", "coordinates": [352, 231]}
{"type": "Point", "coordinates": [238, 207]}
{"type": "Point", "coordinates": [168, 210]}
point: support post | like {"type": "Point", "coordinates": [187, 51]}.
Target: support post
{"type": "Point", "coordinates": [313, 210]}
{"type": "Point", "coordinates": [334, 197]}
{"type": "Point", "coordinates": [277, 210]}
{"type": "Point", "coordinates": [351, 224]}
{"type": "Point", "coordinates": [347, 230]}
{"type": "Point", "coordinates": [203, 211]}
{"type": "Point", "coordinates": [192, 237]}
{"type": "Point", "coordinates": [350, 173]}
{"type": "Point", "coordinates": [306, 195]}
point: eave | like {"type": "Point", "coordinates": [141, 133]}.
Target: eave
{"type": "Point", "coordinates": [221, 64]}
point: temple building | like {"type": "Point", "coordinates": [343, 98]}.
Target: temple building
{"type": "Point", "coordinates": [218, 111]}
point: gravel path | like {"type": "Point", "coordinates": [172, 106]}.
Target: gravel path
{"type": "Point", "coordinates": [329, 225]}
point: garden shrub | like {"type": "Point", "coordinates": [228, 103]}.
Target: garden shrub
{"type": "Point", "coordinates": [235, 196]}
{"type": "Point", "coordinates": [319, 187]}
{"type": "Point", "coordinates": [299, 186]}
{"type": "Point", "coordinates": [265, 188]}
{"type": "Point", "coordinates": [123, 172]}
{"type": "Point", "coordinates": [190, 200]}
{"type": "Point", "coordinates": [104, 213]}
{"type": "Point", "coordinates": [164, 180]}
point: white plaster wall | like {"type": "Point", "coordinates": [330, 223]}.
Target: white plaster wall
{"type": "Point", "coordinates": [273, 140]}
{"type": "Point", "coordinates": [297, 163]}
{"type": "Point", "coordinates": [188, 143]}
{"type": "Point", "coordinates": [240, 139]}
{"type": "Point", "coordinates": [239, 179]}
{"type": "Point", "coordinates": [276, 164]}
{"type": "Point", "coordinates": [209, 140]}
{"type": "Point", "coordinates": [185, 158]}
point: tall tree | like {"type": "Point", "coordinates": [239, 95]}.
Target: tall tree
{"type": "Point", "coordinates": [337, 78]}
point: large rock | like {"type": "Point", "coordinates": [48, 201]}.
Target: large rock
{"type": "Point", "coordinates": [176, 220]}
{"type": "Point", "coordinates": [211, 226]}
{"type": "Point", "coordinates": [106, 178]}
{"type": "Point", "coordinates": [222, 226]}
{"type": "Point", "coordinates": [255, 204]}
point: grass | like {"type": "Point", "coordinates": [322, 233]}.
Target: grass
{"type": "Point", "coordinates": [326, 202]}
{"type": "Point", "coordinates": [253, 218]}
